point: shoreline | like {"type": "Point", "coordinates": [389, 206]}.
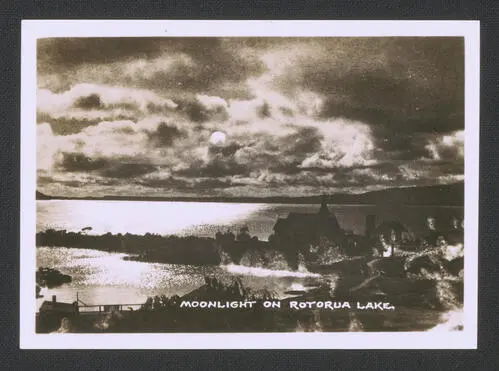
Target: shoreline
{"type": "Point", "coordinates": [440, 194]}
{"type": "Point", "coordinates": [152, 248]}
{"type": "Point", "coordinates": [276, 203]}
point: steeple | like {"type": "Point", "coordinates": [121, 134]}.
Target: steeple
{"type": "Point", "coordinates": [324, 211]}
{"type": "Point", "coordinates": [327, 218]}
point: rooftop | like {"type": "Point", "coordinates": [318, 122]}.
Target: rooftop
{"type": "Point", "coordinates": [51, 306]}
{"type": "Point", "coordinates": [308, 220]}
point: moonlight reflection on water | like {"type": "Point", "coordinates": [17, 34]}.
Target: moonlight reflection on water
{"type": "Point", "coordinates": [204, 219]}
{"type": "Point", "coordinates": [106, 278]}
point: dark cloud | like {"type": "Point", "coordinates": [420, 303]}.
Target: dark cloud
{"type": "Point", "coordinates": [198, 64]}
{"type": "Point", "coordinates": [305, 141]}
{"type": "Point", "coordinates": [80, 162]}
{"type": "Point", "coordinates": [91, 101]}
{"type": "Point", "coordinates": [67, 125]}
{"type": "Point", "coordinates": [264, 110]}
{"type": "Point", "coordinates": [106, 167]}
{"type": "Point", "coordinates": [217, 167]}
{"type": "Point", "coordinates": [224, 151]}
{"type": "Point", "coordinates": [165, 135]}
{"type": "Point", "coordinates": [198, 113]}
{"type": "Point", "coordinates": [403, 85]}
{"type": "Point", "coordinates": [400, 145]}
{"type": "Point", "coordinates": [125, 170]}
{"type": "Point", "coordinates": [59, 53]}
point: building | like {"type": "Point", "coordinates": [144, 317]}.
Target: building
{"type": "Point", "coordinates": [52, 312]}
{"type": "Point", "coordinates": [301, 229]}
{"type": "Point", "coordinates": [59, 308]}
{"type": "Point", "coordinates": [370, 226]}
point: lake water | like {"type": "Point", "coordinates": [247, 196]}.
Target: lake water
{"type": "Point", "coordinates": [105, 278]}
{"type": "Point", "coordinates": [206, 218]}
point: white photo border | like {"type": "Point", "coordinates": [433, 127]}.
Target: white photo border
{"type": "Point", "coordinates": [34, 29]}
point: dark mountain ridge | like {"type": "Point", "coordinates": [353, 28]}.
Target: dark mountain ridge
{"type": "Point", "coordinates": [449, 194]}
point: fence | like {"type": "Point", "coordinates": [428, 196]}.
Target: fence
{"type": "Point", "coordinates": [106, 308]}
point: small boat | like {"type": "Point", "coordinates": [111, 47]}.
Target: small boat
{"type": "Point", "coordinates": [295, 292]}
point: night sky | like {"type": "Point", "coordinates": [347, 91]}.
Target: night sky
{"type": "Point", "coordinates": [248, 116]}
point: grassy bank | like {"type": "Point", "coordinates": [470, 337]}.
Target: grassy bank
{"type": "Point", "coordinates": [418, 305]}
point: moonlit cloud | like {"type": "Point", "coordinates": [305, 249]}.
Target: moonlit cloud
{"type": "Point", "coordinates": [300, 115]}
{"type": "Point", "coordinates": [448, 147]}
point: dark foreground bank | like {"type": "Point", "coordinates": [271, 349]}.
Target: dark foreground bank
{"type": "Point", "coordinates": [349, 302]}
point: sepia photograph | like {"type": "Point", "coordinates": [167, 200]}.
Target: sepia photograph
{"type": "Point", "coordinates": [249, 184]}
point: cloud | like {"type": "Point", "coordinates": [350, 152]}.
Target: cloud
{"type": "Point", "coordinates": [91, 148]}
{"type": "Point", "coordinates": [377, 73]}
{"type": "Point", "coordinates": [346, 144]}
{"type": "Point", "coordinates": [398, 86]}
{"type": "Point", "coordinates": [282, 154]}
{"type": "Point", "coordinates": [88, 104]}
{"type": "Point", "coordinates": [119, 168]}
{"type": "Point", "coordinates": [56, 53]}
{"type": "Point", "coordinates": [165, 135]}
{"type": "Point", "coordinates": [116, 167]}
{"type": "Point", "coordinates": [80, 162]}
{"type": "Point", "coordinates": [447, 147]}
{"type": "Point", "coordinates": [203, 108]}
{"type": "Point", "coordinates": [302, 115]}
{"type": "Point", "coordinates": [204, 65]}
{"type": "Point", "coordinates": [46, 147]}
{"type": "Point", "coordinates": [91, 101]}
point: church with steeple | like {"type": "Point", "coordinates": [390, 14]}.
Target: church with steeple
{"type": "Point", "coordinates": [306, 228]}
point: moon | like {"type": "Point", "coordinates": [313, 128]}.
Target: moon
{"type": "Point", "coordinates": [218, 137]}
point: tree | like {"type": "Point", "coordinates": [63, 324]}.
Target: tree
{"type": "Point", "coordinates": [243, 234]}
{"type": "Point", "coordinates": [219, 236]}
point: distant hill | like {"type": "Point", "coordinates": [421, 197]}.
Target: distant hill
{"type": "Point", "coordinates": [41, 196]}
{"type": "Point", "coordinates": [451, 194]}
